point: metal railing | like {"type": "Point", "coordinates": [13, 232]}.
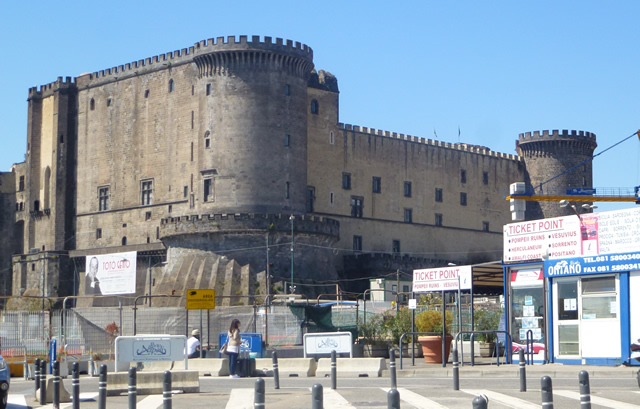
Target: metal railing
{"type": "Point", "coordinates": [507, 348]}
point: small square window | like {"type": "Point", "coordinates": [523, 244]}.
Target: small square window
{"type": "Point", "coordinates": [377, 184]}
{"type": "Point", "coordinates": [463, 176]}
{"type": "Point", "coordinates": [438, 219]}
{"type": "Point", "coordinates": [147, 216]}
{"type": "Point", "coordinates": [408, 215]}
{"type": "Point", "coordinates": [438, 194]}
{"type": "Point", "coordinates": [346, 181]}
{"type": "Point", "coordinates": [485, 226]}
{"type": "Point", "coordinates": [463, 199]}
{"type": "Point", "coordinates": [407, 189]}
{"type": "Point", "coordinates": [485, 178]}
{"type": "Point", "coordinates": [357, 243]}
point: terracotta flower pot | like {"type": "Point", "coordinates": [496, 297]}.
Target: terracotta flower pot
{"type": "Point", "coordinates": [432, 348]}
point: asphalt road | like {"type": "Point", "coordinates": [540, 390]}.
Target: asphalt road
{"type": "Point", "coordinates": [609, 390]}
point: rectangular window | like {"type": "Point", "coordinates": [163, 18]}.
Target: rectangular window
{"type": "Point", "coordinates": [485, 226]}
{"type": "Point", "coordinates": [286, 190]}
{"type": "Point", "coordinates": [407, 189]}
{"type": "Point", "coordinates": [357, 243]}
{"type": "Point", "coordinates": [438, 219]}
{"type": "Point", "coordinates": [463, 176]}
{"type": "Point", "coordinates": [21, 184]}
{"type": "Point", "coordinates": [208, 190]}
{"type": "Point", "coordinates": [463, 199]}
{"type": "Point", "coordinates": [287, 89]}
{"type": "Point", "coordinates": [192, 119]}
{"type": "Point", "coordinates": [331, 139]}
{"type": "Point", "coordinates": [356, 206]}
{"type": "Point", "coordinates": [208, 89]}
{"type": "Point", "coordinates": [346, 181]}
{"type": "Point", "coordinates": [287, 140]}
{"type": "Point", "coordinates": [186, 191]}
{"type": "Point", "coordinates": [395, 246]}
{"type": "Point", "coordinates": [485, 178]}
{"type": "Point", "coordinates": [311, 197]}
{"type": "Point", "coordinates": [146, 192]}
{"type": "Point", "coordinates": [103, 198]}
{"type": "Point", "coordinates": [147, 216]}
{"type": "Point", "coordinates": [98, 233]}
{"type": "Point", "coordinates": [438, 194]}
{"type": "Point", "coordinates": [331, 198]}
{"type": "Point", "coordinates": [377, 184]}
{"type": "Point", "coordinates": [408, 215]}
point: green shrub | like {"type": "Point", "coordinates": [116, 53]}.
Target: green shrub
{"type": "Point", "coordinates": [431, 321]}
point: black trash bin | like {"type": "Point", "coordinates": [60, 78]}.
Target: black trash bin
{"type": "Point", "coordinates": [246, 367]}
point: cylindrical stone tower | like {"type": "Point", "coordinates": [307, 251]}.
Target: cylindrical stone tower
{"type": "Point", "coordinates": [254, 124]}
{"type": "Point", "coordinates": [547, 155]}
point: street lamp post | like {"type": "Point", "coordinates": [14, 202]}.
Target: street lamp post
{"type": "Point", "coordinates": [292, 288]}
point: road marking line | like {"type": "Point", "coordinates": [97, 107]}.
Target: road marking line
{"type": "Point", "coordinates": [596, 400]}
{"type": "Point", "coordinates": [417, 400]}
{"type": "Point", "coordinates": [331, 399]}
{"type": "Point", "coordinates": [502, 398]}
{"type": "Point", "coordinates": [16, 400]}
{"type": "Point", "coordinates": [240, 398]}
{"type": "Point", "coordinates": [150, 402]}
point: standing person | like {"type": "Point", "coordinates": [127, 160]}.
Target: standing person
{"type": "Point", "coordinates": [193, 344]}
{"type": "Point", "coordinates": [233, 347]}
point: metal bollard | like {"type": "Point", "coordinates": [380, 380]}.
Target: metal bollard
{"type": "Point", "coordinates": [316, 397]}
{"type": "Point", "coordinates": [392, 368]}
{"type": "Point", "coordinates": [102, 387]}
{"type": "Point", "coordinates": [36, 375]}
{"type": "Point", "coordinates": [333, 370]}
{"type": "Point", "coordinates": [585, 390]}
{"type": "Point", "coordinates": [166, 390]}
{"type": "Point", "coordinates": [393, 399]}
{"type": "Point", "coordinates": [133, 392]}
{"type": "Point", "coordinates": [480, 402]}
{"type": "Point", "coordinates": [523, 372]}
{"type": "Point", "coordinates": [456, 370]}
{"type": "Point", "coordinates": [276, 372]}
{"type": "Point", "coordinates": [56, 385]}
{"type": "Point", "coordinates": [258, 397]}
{"type": "Point", "coordinates": [43, 382]}
{"type": "Point", "coordinates": [547, 392]}
{"type": "Point", "coordinates": [75, 385]}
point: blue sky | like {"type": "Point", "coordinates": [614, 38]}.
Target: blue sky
{"type": "Point", "coordinates": [493, 68]}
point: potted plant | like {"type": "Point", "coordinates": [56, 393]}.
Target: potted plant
{"type": "Point", "coordinates": [373, 334]}
{"type": "Point", "coordinates": [486, 320]}
{"type": "Point", "coordinates": [431, 321]}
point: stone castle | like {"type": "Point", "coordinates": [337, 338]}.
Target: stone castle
{"type": "Point", "coordinates": [225, 165]}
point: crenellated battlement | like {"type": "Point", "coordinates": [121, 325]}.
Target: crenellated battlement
{"type": "Point", "coordinates": [186, 55]}
{"type": "Point", "coordinates": [246, 223]}
{"type": "Point", "coordinates": [481, 150]}
{"type": "Point", "coordinates": [50, 88]}
{"type": "Point", "coordinates": [556, 134]}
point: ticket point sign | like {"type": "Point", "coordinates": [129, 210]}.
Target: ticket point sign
{"type": "Point", "coordinates": [442, 279]}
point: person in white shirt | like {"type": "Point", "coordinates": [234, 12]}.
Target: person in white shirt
{"type": "Point", "coordinates": [193, 344]}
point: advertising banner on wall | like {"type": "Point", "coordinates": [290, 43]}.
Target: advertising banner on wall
{"type": "Point", "coordinates": [441, 279]}
{"type": "Point", "coordinates": [601, 264]}
{"type": "Point", "coordinates": [110, 274]}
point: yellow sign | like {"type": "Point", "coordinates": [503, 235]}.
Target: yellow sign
{"type": "Point", "coordinates": [201, 299]}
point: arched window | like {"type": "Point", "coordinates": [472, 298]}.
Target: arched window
{"type": "Point", "coordinates": [171, 85]}
{"type": "Point", "coordinates": [92, 104]}
{"type": "Point", "coordinates": [314, 107]}
{"type": "Point", "coordinates": [207, 139]}
{"type": "Point", "coordinates": [124, 241]}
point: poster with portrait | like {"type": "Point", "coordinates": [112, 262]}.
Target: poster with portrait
{"type": "Point", "coordinates": [110, 274]}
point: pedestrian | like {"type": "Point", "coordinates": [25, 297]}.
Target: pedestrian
{"type": "Point", "coordinates": [193, 344]}
{"type": "Point", "coordinates": [233, 347]}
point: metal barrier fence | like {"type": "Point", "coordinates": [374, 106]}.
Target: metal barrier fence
{"type": "Point", "coordinates": [92, 330]}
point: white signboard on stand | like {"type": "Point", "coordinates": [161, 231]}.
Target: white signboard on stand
{"type": "Point", "coordinates": [441, 279]}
